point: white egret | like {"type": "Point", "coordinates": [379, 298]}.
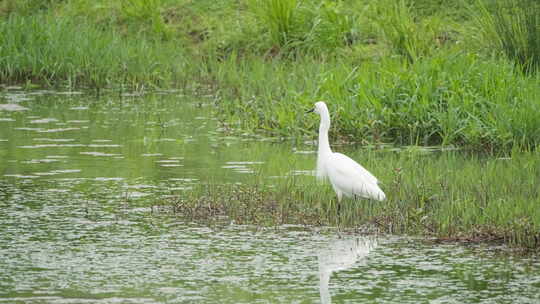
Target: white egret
{"type": "Point", "coordinates": [347, 177]}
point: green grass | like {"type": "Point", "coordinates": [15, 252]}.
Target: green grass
{"type": "Point", "coordinates": [449, 195]}
{"type": "Point", "coordinates": [281, 18]}
{"type": "Point", "coordinates": [401, 72]}
{"type": "Point", "coordinates": [306, 27]}
{"type": "Point", "coordinates": [405, 34]}
{"type": "Point", "coordinates": [63, 51]}
{"type": "Point", "coordinates": [513, 28]}
{"type": "Point", "coordinates": [449, 98]}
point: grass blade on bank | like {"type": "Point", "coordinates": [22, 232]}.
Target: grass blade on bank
{"type": "Point", "coordinates": [513, 28]}
{"type": "Point", "coordinates": [57, 50]}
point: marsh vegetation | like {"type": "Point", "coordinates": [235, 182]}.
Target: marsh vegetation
{"type": "Point", "coordinates": [444, 195]}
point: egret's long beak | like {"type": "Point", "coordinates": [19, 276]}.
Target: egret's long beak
{"type": "Point", "coordinates": [310, 111]}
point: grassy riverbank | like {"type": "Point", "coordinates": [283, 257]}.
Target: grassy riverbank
{"type": "Point", "coordinates": [465, 75]}
{"type": "Point", "coordinates": [448, 196]}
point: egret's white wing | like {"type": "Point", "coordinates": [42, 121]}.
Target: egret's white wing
{"type": "Point", "coordinates": [351, 178]}
{"type": "Point", "coordinates": [347, 166]}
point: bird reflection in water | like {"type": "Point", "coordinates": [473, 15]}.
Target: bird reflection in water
{"type": "Point", "coordinates": [340, 255]}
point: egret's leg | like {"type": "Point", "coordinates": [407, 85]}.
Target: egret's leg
{"type": "Point", "coordinates": [339, 197]}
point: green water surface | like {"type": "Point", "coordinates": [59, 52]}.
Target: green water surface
{"type": "Point", "coordinates": [79, 175]}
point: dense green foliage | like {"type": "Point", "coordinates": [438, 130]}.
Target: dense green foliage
{"type": "Point", "coordinates": [405, 72]}
{"type": "Point", "coordinates": [53, 51]}
{"type": "Point", "coordinates": [514, 28]}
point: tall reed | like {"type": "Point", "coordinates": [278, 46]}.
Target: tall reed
{"type": "Point", "coordinates": [307, 27]}
{"type": "Point", "coordinates": [71, 52]}
{"type": "Point", "coordinates": [407, 35]}
{"type": "Point", "coordinates": [281, 18]}
{"type": "Point", "coordinates": [513, 28]}
{"type": "Point", "coordinates": [449, 98]}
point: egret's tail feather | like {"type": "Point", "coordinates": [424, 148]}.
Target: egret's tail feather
{"type": "Point", "coordinates": [371, 191]}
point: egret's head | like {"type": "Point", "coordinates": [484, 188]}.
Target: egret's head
{"type": "Point", "coordinates": [320, 107]}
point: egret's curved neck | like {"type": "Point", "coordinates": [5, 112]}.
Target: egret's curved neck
{"type": "Point", "coordinates": [324, 145]}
